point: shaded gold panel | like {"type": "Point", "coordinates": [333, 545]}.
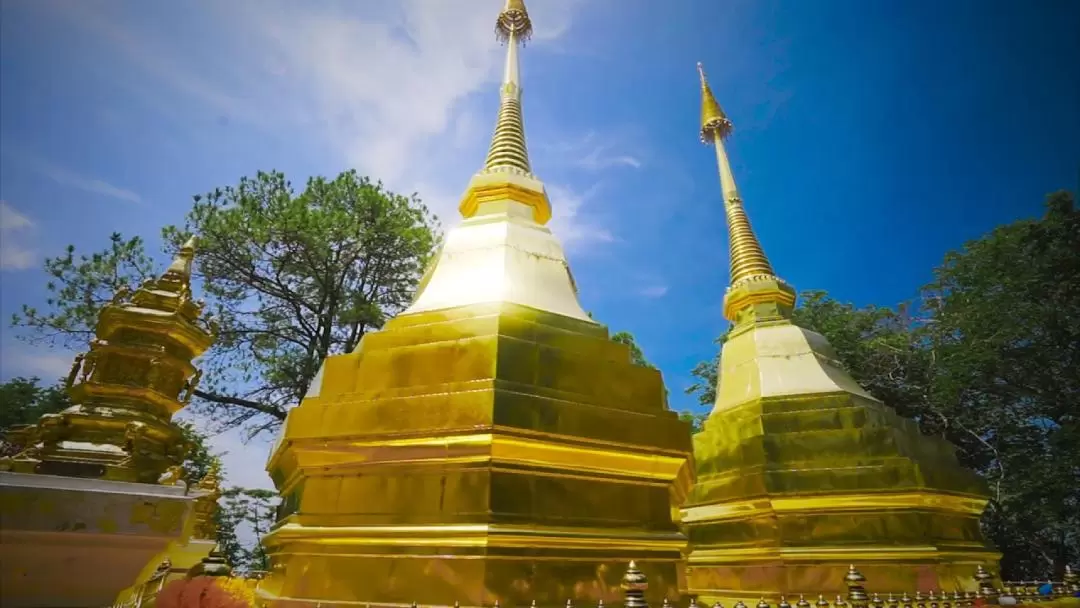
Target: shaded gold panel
{"type": "Point", "coordinates": [491, 452]}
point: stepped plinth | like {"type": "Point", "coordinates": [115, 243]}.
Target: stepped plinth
{"type": "Point", "coordinates": [95, 495]}
{"type": "Point", "coordinates": [800, 472]}
{"type": "Point", "coordinates": [491, 443]}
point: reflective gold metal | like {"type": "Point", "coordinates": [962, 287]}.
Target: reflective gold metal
{"type": "Point", "coordinates": [800, 472]}
{"type": "Point", "coordinates": [488, 452]}
{"type": "Point", "coordinates": [137, 374]}
{"type": "Point", "coordinates": [491, 443]}
{"type": "Point", "coordinates": [507, 174]}
{"type": "Point", "coordinates": [206, 505]}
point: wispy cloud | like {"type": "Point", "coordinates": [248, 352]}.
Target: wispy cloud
{"type": "Point", "coordinates": [88, 184]}
{"type": "Point", "coordinates": [593, 153]}
{"type": "Point", "coordinates": [567, 221]}
{"type": "Point", "coordinates": [67, 177]}
{"type": "Point", "coordinates": [19, 359]}
{"type": "Point", "coordinates": [14, 254]}
{"type": "Point", "coordinates": [388, 87]}
{"type": "Point", "coordinates": [654, 291]}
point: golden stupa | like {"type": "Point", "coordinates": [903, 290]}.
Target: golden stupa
{"type": "Point", "coordinates": [491, 442]}
{"type": "Point", "coordinates": [125, 390]}
{"type": "Point", "coordinates": [95, 497]}
{"type": "Point", "coordinates": [800, 472]}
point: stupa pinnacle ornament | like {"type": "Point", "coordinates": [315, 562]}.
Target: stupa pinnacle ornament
{"type": "Point", "coordinates": [490, 444]}
{"type": "Point", "coordinates": [801, 472]}
{"type": "Point", "coordinates": [503, 252]}
{"type": "Point", "coordinates": [206, 505]}
{"type": "Point", "coordinates": [755, 291]}
{"type": "Point", "coordinates": [136, 375]}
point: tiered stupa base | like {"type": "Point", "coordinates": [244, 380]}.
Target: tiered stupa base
{"type": "Point", "coordinates": [489, 452]}
{"type": "Point", "coordinates": [801, 474]}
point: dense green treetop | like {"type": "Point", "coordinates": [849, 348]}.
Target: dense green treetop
{"type": "Point", "coordinates": [289, 277]}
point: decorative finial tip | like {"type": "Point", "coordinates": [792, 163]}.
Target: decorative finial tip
{"type": "Point", "coordinates": [715, 125]}
{"type": "Point", "coordinates": [513, 23]}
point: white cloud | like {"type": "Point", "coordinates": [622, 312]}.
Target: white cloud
{"type": "Point", "coordinates": [654, 291]}
{"type": "Point", "coordinates": [66, 177]}
{"type": "Point", "coordinates": [87, 184]}
{"type": "Point", "coordinates": [386, 86]}
{"type": "Point", "coordinates": [14, 255]}
{"type": "Point", "coordinates": [28, 360]}
{"type": "Point", "coordinates": [592, 152]}
{"type": "Point", "coordinates": [566, 221]}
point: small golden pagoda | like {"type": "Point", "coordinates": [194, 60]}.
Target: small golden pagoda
{"type": "Point", "coordinates": [95, 491]}
{"type": "Point", "coordinates": [489, 443]}
{"type": "Point", "coordinates": [137, 374]}
{"type": "Point", "coordinates": [800, 472]}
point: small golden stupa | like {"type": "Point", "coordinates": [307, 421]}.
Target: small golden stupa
{"type": "Point", "coordinates": [137, 374]}
{"type": "Point", "coordinates": [800, 472]}
{"type": "Point", "coordinates": [96, 492]}
{"type": "Point", "coordinates": [489, 443]}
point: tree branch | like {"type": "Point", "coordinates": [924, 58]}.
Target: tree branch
{"type": "Point", "coordinates": [254, 405]}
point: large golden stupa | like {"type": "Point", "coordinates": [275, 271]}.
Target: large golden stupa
{"type": "Point", "coordinates": [490, 443]}
{"type": "Point", "coordinates": [800, 472]}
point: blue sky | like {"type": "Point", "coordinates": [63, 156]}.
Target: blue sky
{"type": "Point", "coordinates": [870, 137]}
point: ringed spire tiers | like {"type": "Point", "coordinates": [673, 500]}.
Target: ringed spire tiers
{"type": "Point", "coordinates": [489, 444]}
{"type": "Point", "coordinates": [801, 472]}
{"type": "Point", "coordinates": [507, 173]}
{"type": "Point", "coordinates": [755, 291]}
{"type": "Point", "coordinates": [503, 252]}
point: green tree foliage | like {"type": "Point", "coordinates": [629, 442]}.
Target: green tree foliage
{"type": "Point", "coordinates": [244, 518]}
{"type": "Point", "coordinates": [24, 400]}
{"type": "Point", "coordinates": [1003, 330]}
{"type": "Point", "coordinates": [289, 277]}
{"type": "Point", "coordinates": [637, 356]}
{"type": "Point", "coordinates": [696, 420]}
{"type": "Point", "coordinates": [989, 360]}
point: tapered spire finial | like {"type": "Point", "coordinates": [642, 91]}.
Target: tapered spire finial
{"type": "Point", "coordinates": [513, 23]}
{"type": "Point", "coordinates": [714, 123]}
{"type": "Point", "coordinates": [507, 169]}
{"type": "Point", "coordinates": [755, 291]}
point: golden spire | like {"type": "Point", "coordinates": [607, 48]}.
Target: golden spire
{"type": "Point", "coordinates": [178, 276]}
{"type": "Point", "coordinates": [206, 504]}
{"type": "Point", "coordinates": [508, 151]}
{"type": "Point", "coordinates": [507, 175]}
{"type": "Point", "coordinates": [754, 288]}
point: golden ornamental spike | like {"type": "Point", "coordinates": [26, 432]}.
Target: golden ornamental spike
{"type": "Point", "coordinates": [822, 602]}
{"type": "Point", "coordinates": [634, 584]}
{"type": "Point", "coordinates": [514, 23]}
{"type": "Point", "coordinates": [762, 603]}
{"type": "Point", "coordinates": [856, 591]}
{"type": "Point", "coordinates": [715, 125]}
{"type": "Point", "coordinates": [755, 293]}
{"type": "Point", "coordinates": [985, 582]}
{"type": "Point", "coordinates": [783, 602]}
{"type": "Point", "coordinates": [802, 603]}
